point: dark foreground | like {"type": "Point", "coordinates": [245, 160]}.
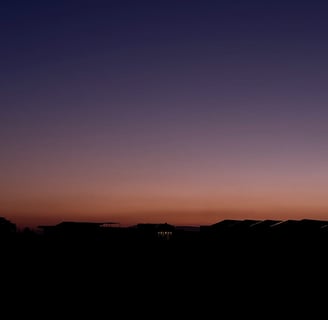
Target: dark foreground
{"type": "Point", "coordinates": [190, 277]}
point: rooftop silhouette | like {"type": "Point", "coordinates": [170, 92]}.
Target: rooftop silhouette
{"type": "Point", "coordinates": [232, 229]}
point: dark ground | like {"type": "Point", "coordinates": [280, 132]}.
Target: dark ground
{"type": "Point", "coordinates": [190, 278]}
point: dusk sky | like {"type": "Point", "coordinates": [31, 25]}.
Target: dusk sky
{"type": "Point", "coordinates": [185, 112]}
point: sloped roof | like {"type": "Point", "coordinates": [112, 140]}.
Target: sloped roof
{"type": "Point", "coordinates": [165, 227]}
{"type": "Point", "coordinates": [313, 224]}
{"type": "Point", "coordinates": [75, 224]}
{"type": "Point", "coordinates": [227, 223]}
{"type": "Point", "coordinates": [264, 224]}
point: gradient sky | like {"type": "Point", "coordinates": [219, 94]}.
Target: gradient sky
{"type": "Point", "coordinates": [185, 112]}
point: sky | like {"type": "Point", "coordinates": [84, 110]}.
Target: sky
{"type": "Point", "coordinates": [184, 112]}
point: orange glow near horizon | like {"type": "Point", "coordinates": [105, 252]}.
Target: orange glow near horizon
{"type": "Point", "coordinates": [179, 204]}
{"type": "Point", "coordinates": [195, 192]}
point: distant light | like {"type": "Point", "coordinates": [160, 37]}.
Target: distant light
{"type": "Point", "coordinates": [164, 234]}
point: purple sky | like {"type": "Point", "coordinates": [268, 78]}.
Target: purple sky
{"type": "Point", "coordinates": [185, 112]}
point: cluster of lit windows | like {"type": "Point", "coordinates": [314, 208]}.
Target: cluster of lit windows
{"type": "Point", "coordinates": [165, 234]}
